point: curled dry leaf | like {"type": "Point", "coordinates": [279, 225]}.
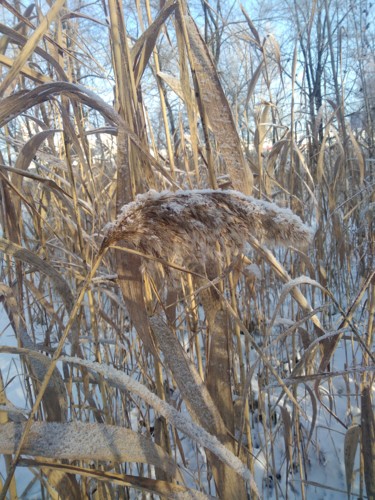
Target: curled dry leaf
{"type": "Point", "coordinates": [189, 223]}
{"type": "Point", "coordinates": [350, 448]}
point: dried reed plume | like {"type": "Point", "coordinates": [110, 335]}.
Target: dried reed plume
{"type": "Point", "coordinates": [188, 224]}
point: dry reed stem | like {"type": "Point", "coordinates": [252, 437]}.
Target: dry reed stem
{"type": "Point", "coordinates": [167, 490]}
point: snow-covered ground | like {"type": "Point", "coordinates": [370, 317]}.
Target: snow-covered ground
{"type": "Point", "coordinates": [323, 461]}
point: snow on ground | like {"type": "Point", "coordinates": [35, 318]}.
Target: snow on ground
{"type": "Point", "coordinates": [324, 469]}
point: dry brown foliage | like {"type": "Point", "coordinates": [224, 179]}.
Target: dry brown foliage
{"type": "Point", "coordinates": [211, 376]}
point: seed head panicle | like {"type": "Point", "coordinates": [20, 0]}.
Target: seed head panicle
{"type": "Point", "coordinates": [188, 224]}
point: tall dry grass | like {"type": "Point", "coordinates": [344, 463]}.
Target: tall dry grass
{"type": "Point", "coordinates": [172, 352]}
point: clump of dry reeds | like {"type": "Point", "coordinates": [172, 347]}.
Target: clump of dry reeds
{"type": "Point", "coordinates": [236, 354]}
{"type": "Point", "coordinates": [189, 223]}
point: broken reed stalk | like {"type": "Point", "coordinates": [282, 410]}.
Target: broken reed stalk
{"type": "Point", "coordinates": [186, 225]}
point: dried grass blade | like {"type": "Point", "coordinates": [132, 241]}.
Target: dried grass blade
{"type": "Point", "coordinates": [85, 441]}
{"type": "Point", "coordinates": [304, 164]}
{"type": "Point", "coordinates": [144, 46]}
{"type": "Point", "coordinates": [288, 434]}
{"type": "Point", "coordinates": [263, 357]}
{"type": "Point", "coordinates": [21, 40]}
{"type": "Point", "coordinates": [279, 153]}
{"type": "Point", "coordinates": [329, 344]}
{"type": "Point", "coordinates": [28, 257]}
{"type": "Point", "coordinates": [81, 15]}
{"type": "Point", "coordinates": [45, 304]}
{"type": "Point", "coordinates": [322, 150]}
{"type": "Point", "coordinates": [132, 287]}
{"type": "Point", "coordinates": [165, 489]}
{"type": "Point", "coordinates": [350, 449]}
{"type": "Point", "coordinates": [259, 137]}
{"type": "Point", "coordinates": [25, 157]}
{"type": "Point", "coordinates": [282, 273]}
{"type": "Point", "coordinates": [251, 25]}
{"type": "Point", "coordinates": [216, 107]}
{"type": "Point", "coordinates": [253, 82]}
{"type": "Point", "coordinates": [146, 485]}
{"type": "Point", "coordinates": [199, 401]}
{"type": "Point", "coordinates": [21, 26]}
{"type": "Point", "coordinates": [288, 287]}
{"type": "Point", "coordinates": [188, 380]}
{"type": "Point", "coordinates": [18, 103]}
{"type": "Point", "coordinates": [173, 83]}
{"type": "Point", "coordinates": [190, 101]}
{"type": "Point", "coordinates": [276, 53]}
{"type": "Point", "coordinates": [30, 45]}
{"type": "Point", "coordinates": [129, 268]}
{"type": "Point", "coordinates": [21, 101]}
{"type": "Point", "coordinates": [368, 439]}
{"type": "Point", "coordinates": [4, 418]}
{"type": "Point", "coordinates": [28, 151]}
{"type": "Point", "coordinates": [26, 70]}
{"type": "Point", "coordinates": [339, 170]}
{"type": "Point", "coordinates": [55, 400]}
{"type": "Point", "coordinates": [45, 180]}
{"type": "Point", "coordinates": [359, 154]}
{"type": "Point", "coordinates": [262, 128]}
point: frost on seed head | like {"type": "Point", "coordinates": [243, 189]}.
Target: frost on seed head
{"type": "Point", "coordinates": [188, 224]}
